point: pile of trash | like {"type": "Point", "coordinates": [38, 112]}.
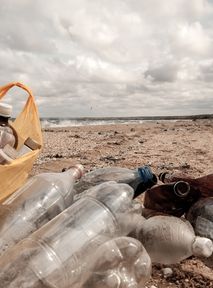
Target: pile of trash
{"type": "Point", "coordinates": [76, 229]}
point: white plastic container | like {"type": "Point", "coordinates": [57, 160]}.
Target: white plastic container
{"type": "Point", "coordinates": [57, 254]}
{"type": "Point", "coordinates": [42, 198]}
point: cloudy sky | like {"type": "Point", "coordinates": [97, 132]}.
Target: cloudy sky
{"type": "Point", "coordinates": [109, 57]}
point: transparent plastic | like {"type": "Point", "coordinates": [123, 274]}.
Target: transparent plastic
{"type": "Point", "coordinates": [138, 181]}
{"type": "Point", "coordinates": [58, 254]}
{"type": "Point", "coordinates": [169, 240]}
{"type": "Point", "coordinates": [6, 137]}
{"type": "Point", "coordinates": [42, 198]}
{"type": "Point", "coordinates": [119, 263]}
{"type": "Point", "coordinates": [200, 216]}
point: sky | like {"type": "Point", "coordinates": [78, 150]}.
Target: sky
{"type": "Point", "coordinates": [103, 58]}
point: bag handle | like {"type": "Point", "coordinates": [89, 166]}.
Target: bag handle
{"type": "Point", "coordinates": [4, 89]}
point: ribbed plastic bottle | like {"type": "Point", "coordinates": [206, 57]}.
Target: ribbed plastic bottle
{"type": "Point", "coordinates": [200, 216]}
{"type": "Point", "coordinates": [7, 133]}
{"type": "Point", "coordinates": [57, 254]}
{"type": "Point", "coordinates": [169, 240]}
{"type": "Point", "coordinates": [42, 198]}
{"type": "Point", "coordinates": [119, 263]}
{"type": "Point", "coordinates": [139, 179]}
{"type": "Point", "coordinates": [203, 185]}
{"type": "Point", "coordinates": [173, 198]}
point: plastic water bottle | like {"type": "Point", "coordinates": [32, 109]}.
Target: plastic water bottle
{"type": "Point", "coordinates": [119, 263]}
{"type": "Point", "coordinates": [173, 198]}
{"type": "Point", "coordinates": [7, 133]}
{"type": "Point", "coordinates": [169, 240]}
{"type": "Point", "coordinates": [42, 198]}
{"type": "Point", "coordinates": [203, 185]}
{"type": "Point", "coordinates": [200, 216]}
{"type": "Point", "coordinates": [60, 252]}
{"type": "Point", "coordinates": [139, 179]}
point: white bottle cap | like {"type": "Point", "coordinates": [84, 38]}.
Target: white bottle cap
{"type": "Point", "coordinates": [80, 169]}
{"type": "Point", "coordinates": [5, 110]}
{"type": "Point", "coordinates": [202, 247]}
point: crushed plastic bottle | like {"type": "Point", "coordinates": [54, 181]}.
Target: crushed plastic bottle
{"type": "Point", "coordinates": [139, 179]}
{"type": "Point", "coordinates": [200, 215]}
{"type": "Point", "coordinates": [42, 198]}
{"type": "Point", "coordinates": [56, 254]}
{"type": "Point", "coordinates": [169, 240]}
{"type": "Point", "coordinates": [173, 198]}
{"type": "Point", "coordinates": [119, 263]}
{"type": "Point", "coordinates": [203, 185]}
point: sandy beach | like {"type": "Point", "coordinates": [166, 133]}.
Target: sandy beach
{"type": "Point", "coordinates": [175, 146]}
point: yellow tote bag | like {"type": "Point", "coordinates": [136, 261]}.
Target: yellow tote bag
{"type": "Point", "coordinates": [27, 124]}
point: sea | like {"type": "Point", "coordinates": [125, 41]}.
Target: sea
{"type": "Point", "coordinates": [85, 121]}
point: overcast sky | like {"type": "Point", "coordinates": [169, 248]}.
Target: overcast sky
{"type": "Point", "coordinates": [109, 57]}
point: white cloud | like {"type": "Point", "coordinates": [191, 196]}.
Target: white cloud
{"type": "Point", "coordinates": [124, 57]}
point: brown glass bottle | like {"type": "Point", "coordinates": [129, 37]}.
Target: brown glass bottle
{"type": "Point", "coordinates": [204, 184]}
{"type": "Point", "coordinates": [172, 198]}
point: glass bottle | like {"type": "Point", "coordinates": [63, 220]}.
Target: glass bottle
{"type": "Point", "coordinates": [203, 184]}
{"type": "Point", "coordinates": [172, 198]}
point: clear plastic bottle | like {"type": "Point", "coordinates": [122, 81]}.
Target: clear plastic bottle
{"type": "Point", "coordinates": [7, 133]}
{"type": "Point", "coordinates": [57, 254]}
{"type": "Point", "coordinates": [42, 198]}
{"type": "Point", "coordinates": [139, 179]}
{"type": "Point", "coordinates": [200, 216]}
{"type": "Point", "coordinates": [119, 263]}
{"type": "Point", "coordinates": [7, 155]}
{"type": "Point", "coordinates": [169, 240]}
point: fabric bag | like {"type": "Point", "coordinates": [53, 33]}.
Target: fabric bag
{"type": "Point", "coordinates": [27, 124]}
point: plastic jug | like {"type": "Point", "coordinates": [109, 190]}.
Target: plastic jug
{"type": "Point", "coordinates": [42, 198]}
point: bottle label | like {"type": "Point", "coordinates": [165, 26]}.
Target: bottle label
{"type": "Point", "coordinates": [204, 227]}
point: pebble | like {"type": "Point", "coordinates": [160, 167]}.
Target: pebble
{"type": "Point", "coordinates": [167, 272]}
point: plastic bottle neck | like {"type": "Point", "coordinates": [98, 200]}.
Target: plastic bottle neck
{"type": "Point", "coordinates": [75, 172]}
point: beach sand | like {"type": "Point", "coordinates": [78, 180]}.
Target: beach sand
{"type": "Point", "coordinates": [175, 146]}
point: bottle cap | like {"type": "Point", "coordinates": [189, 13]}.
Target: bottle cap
{"type": "Point", "coordinates": [5, 110]}
{"type": "Point", "coordinates": [80, 169]}
{"type": "Point", "coordinates": [202, 247]}
{"type": "Point", "coordinates": [32, 144]}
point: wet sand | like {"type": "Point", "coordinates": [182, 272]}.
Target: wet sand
{"type": "Point", "coordinates": [175, 146]}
